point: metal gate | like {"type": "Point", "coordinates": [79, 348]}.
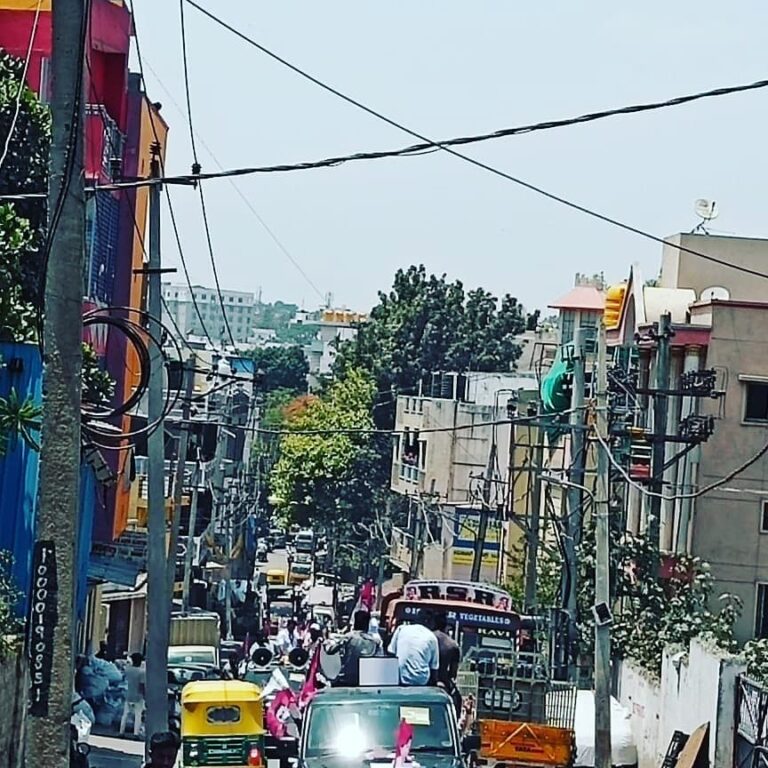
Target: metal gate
{"type": "Point", "coordinates": [751, 738]}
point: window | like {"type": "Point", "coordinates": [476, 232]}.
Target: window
{"type": "Point", "coordinates": [764, 516]}
{"type": "Point", "coordinates": [756, 402]}
{"type": "Point", "coordinates": [761, 611]}
{"type": "Point", "coordinates": [567, 323]}
{"type": "Point", "coordinates": [240, 301]}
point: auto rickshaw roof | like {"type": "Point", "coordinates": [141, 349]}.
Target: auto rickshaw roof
{"type": "Point", "coordinates": [219, 691]}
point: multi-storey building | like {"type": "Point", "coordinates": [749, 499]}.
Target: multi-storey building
{"type": "Point", "coordinates": [208, 319]}
{"type": "Point", "coordinates": [121, 124]}
{"type": "Point", "coordinates": [719, 318]}
{"type": "Point", "coordinates": [447, 439]}
{"type": "Point", "coordinates": [330, 326]}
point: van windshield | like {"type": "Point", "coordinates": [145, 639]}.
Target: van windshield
{"type": "Point", "coordinates": [355, 728]}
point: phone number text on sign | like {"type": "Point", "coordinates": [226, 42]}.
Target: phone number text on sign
{"type": "Point", "coordinates": [42, 623]}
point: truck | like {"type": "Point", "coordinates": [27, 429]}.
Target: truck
{"type": "Point", "coordinates": [194, 638]}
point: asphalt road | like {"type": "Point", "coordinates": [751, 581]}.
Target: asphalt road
{"type": "Point", "coordinates": [109, 752]}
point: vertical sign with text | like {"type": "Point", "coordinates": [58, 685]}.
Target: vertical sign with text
{"type": "Point", "coordinates": [43, 617]}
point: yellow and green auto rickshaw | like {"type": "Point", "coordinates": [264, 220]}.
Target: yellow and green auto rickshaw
{"type": "Point", "coordinates": [222, 724]}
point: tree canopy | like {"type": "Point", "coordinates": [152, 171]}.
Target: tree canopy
{"type": "Point", "coordinates": [333, 477]}
{"type": "Point", "coordinates": [426, 324]}
{"type": "Point", "coordinates": [284, 368]}
{"type": "Point", "coordinates": [25, 169]}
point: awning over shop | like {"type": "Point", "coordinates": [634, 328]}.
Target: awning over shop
{"type": "Point", "coordinates": [121, 561]}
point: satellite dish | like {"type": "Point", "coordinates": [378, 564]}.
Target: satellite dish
{"type": "Point", "coordinates": [715, 293]}
{"type": "Point", "coordinates": [706, 209]}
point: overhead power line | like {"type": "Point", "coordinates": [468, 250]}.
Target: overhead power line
{"type": "Point", "coordinates": [22, 84]}
{"type": "Point", "coordinates": [196, 168]}
{"type": "Point", "coordinates": [275, 239]}
{"type": "Point", "coordinates": [429, 143]}
{"type": "Point", "coordinates": [174, 225]}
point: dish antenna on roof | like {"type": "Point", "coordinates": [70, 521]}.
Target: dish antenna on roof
{"type": "Point", "coordinates": [706, 211]}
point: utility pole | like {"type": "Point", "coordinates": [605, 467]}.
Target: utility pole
{"type": "Point", "coordinates": [416, 531]}
{"type": "Point", "coordinates": [221, 511]}
{"type": "Point", "coordinates": [602, 572]}
{"type": "Point", "coordinates": [485, 510]}
{"type": "Point", "coordinates": [51, 632]}
{"type": "Point", "coordinates": [158, 598]}
{"type": "Point", "coordinates": [574, 494]}
{"type": "Point", "coordinates": [660, 410]}
{"type": "Point", "coordinates": [190, 538]}
{"type": "Point", "coordinates": [188, 378]}
{"type": "Point", "coordinates": [532, 561]}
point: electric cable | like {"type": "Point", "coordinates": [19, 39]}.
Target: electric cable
{"type": "Point", "coordinates": [277, 241]}
{"type": "Point", "coordinates": [137, 334]}
{"type": "Point", "coordinates": [196, 167]}
{"type": "Point", "coordinates": [171, 212]}
{"type": "Point", "coordinates": [73, 137]}
{"type": "Point", "coordinates": [445, 147]}
{"type": "Point", "coordinates": [681, 496]}
{"type": "Point", "coordinates": [22, 84]}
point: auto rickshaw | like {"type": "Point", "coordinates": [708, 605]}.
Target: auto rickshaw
{"type": "Point", "coordinates": [222, 723]}
{"type": "Point", "coordinates": [276, 577]}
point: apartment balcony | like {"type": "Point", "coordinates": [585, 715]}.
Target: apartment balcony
{"type": "Point", "coordinates": [410, 473]}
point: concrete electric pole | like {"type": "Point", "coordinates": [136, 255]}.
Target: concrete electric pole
{"type": "Point", "coordinates": [602, 572]}
{"type": "Point", "coordinates": [485, 510]}
{"type": "Point", "coordinates": [188, 378]}
{"type": "Point", "coordinates": [158, 598]}
{"type": "Point", "coordinates": [660, 410]}
{"type": "Point", "coordinates": [52, 613]}
{"type": "Point", "coordinates": [575, 493]}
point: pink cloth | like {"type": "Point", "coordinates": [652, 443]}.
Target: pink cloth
{"type": "Point", "coordinates": [403, 743]}
{"type": "Point", "coordinates": [309, 689]}
{"type": "Point", "coordinates": [279, 713]}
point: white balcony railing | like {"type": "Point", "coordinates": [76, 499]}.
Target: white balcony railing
{"type": "Point", "coordinates": [410, 473]}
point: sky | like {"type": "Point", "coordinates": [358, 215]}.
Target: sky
{"type": "Point", "coordinates": [448, 68]}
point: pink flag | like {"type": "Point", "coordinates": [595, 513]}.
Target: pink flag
{"type": "Point", "coordinates": [365, 598]}
{"type": "Point", "coordinates": [367, 595]}
{"type": "Point", "coordinates": [403, 743]}
{"type": "Point", "coordinates": [309, 688]}
{"type": "Point", "coordinates": [279, 713]}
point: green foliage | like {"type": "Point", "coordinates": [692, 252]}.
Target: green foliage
{"type": "Point", "coordinates": [651, 613]}
{"type": "Point", "coordinates": [18, 418]}
{"type": "Point", "coordinates": [10, 625]}
{"type": "Point", "coordinates": [25, 170]}
{"type": "Point", "coordinates": [98, 385]}
{"type": "Point", "coordinates": [550, 567]}
{"type": "Point", "coordinates": [755, 653]}
{"type": "Point", "coordinates": [330, 480]}
{"type": "Point", "coordinates": [17, 314]}
{"type": "Point", "coordinates": [285, 368]}
{"type": "Point", "coordinates": [427, 324]}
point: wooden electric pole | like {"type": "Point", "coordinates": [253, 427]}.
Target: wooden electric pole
{"type": "Point", "coordinates": [51, 634]}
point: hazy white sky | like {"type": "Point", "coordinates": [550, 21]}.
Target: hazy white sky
{"type": "Point", "coordinates": [447, 68]}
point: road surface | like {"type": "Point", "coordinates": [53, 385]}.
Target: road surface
{"type": "Point", "coordinates": [110, 752]}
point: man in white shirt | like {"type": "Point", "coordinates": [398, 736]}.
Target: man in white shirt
{"type": "Point", "coordinates": [417, 651]}
{"type": "Point", "coordinates": [135, 679]}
